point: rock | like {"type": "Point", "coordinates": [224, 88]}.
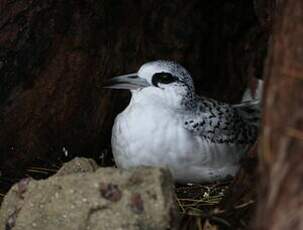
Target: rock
{"type": "Point", "coordinates": [78, 165]}
{"type": "Point", "coordinates": [109, 198]}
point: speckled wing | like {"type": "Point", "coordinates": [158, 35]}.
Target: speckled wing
{"type": "Point", "coordinates": [221, 123]}
{"type": "Point", "coordinates": [250, 112]}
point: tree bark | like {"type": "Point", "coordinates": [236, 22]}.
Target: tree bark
{"type": "Point", "coordinates": [280, 204]}
{"type": "Point", "coordinates": [54, 54]}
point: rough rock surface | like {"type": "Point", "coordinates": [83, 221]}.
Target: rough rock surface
{"type": "Point", "coordinates": [109, 198]}
{"type": "Point", "coordinates": [78, 165]}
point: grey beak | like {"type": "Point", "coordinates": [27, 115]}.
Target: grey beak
{"type": "Point", "coordinates": [128, 81]}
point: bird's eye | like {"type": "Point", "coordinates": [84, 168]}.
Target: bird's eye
{"type": "Point", "coordinates": [163, 78]}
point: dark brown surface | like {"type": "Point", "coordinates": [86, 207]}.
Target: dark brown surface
{"type": "Point", "coordinates": [280, 204]}
{"type": "Point", "coordinates": [54, 54]}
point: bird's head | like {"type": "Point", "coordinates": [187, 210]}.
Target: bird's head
{"type": "Point", "coordinates": [162, 81]}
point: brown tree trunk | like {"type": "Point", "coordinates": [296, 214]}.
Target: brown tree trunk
{"type": "Point", "coordinates": [280, 203]}
{"type": "Point", "coordinates": [54, 54]}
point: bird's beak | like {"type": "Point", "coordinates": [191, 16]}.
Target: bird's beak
{"type": "Point", "coordinates": [128, 81]}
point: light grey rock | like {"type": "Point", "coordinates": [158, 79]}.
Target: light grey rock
{"type": "Point", "coordinates": [110, 198]}
{"type": "Point", "coordinates": [78, 165]}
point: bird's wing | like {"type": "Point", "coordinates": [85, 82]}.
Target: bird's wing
{"type": "Point", "coordinates": [224, 123]}
{"type": "Point", "coordinates": [215, 121]}
{"type": "Point", "coordinates": [250, 112]}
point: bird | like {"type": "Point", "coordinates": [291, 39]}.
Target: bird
{"type": "Point", "coordinates": [166, 124]}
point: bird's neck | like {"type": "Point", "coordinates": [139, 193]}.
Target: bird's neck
{"type": "Point", "coordinates": [150, 97]}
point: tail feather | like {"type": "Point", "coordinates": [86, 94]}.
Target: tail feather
{"type": "Point", "coordinates": [250, 106]}
{"type": "Point", "coordinates": [254, 92]}
{"type": "Point", "coordinates": [252, 95]}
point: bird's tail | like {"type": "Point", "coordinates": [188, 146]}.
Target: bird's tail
{"type": "Point", "coordinates": [250, 106]}
{"type": "Point", "coordinates": [253, 92]}
{"type": "Point", "coordinates": [252, 95]}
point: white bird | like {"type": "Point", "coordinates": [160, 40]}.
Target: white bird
{"type": "Point", "coordinates": [167, 124]}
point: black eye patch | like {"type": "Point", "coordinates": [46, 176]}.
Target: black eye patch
{"type": "Point", "coordinates": [163, 78]}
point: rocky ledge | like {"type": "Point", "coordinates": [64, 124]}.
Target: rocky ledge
{"type": "Point", "coordinates": [83, 196]}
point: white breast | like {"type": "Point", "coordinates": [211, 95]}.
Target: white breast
{"type": "Point", "coordinates": [148, 135]}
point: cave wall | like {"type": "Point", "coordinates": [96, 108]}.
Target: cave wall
{"type": "Point", "coordinates": [280, 200]}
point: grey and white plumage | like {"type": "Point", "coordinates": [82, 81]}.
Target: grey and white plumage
{"type": "Point", "coordinates": [167, 124]}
